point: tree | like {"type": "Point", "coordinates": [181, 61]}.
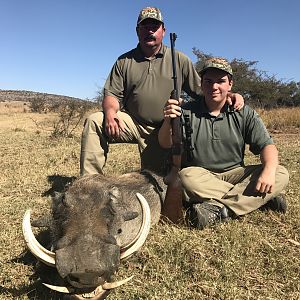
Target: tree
{"type": "Point", "coordinates": [100, 95]}
{"type": "Point", "coordinates": [257, 87]}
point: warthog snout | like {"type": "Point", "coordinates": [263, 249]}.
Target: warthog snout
{"type": "Point", "coordinates": [87, 266]}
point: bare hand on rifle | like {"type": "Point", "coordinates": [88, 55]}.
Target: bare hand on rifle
{"type": "Point", "coordinates": [172, 109]}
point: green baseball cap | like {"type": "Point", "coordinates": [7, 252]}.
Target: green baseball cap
{"type": "Point", "coordinates": [150, 13]}
{"type": "Point", "coordinates": [217, 63]}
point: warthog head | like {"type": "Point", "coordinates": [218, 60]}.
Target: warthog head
{"type": "Point", "coordinates": [94, 225]}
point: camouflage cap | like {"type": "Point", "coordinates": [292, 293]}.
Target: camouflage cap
{"type": "Point", "coordinates": [150, 13]}
{"type": "Point", "coordinates": [217, 63]}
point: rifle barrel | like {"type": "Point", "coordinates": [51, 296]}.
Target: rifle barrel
{"type": "Point", "coordinates": [173, 38]}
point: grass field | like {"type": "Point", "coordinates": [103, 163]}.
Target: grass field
{"type": "Point", "coordinates": [255, 257]}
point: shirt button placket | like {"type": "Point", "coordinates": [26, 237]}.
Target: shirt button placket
{"type": "Point", "coordinates": [150, 67]}
{"type": "Point", "coordinates": [216, 129]}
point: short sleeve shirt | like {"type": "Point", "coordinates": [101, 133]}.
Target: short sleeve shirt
{"type": "Point", "coordinates": [219, 142]}
{"type": "Point", "coordinates": [143, 85]}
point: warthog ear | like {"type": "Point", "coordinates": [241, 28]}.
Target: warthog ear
{"type": "Point", "coordinates": [57, 199]}
{"type": "Point", "coordinates": [61, 201]}
{"type": "Point", "coordinates": [57, 196]}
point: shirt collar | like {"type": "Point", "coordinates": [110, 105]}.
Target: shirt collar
{"type": "Point", "coordinates": [226, 109]}
{"type": "Point", "coordinates": [140, 55]}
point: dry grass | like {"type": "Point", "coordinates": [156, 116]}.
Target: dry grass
{"type": "Point", "coordinates": [9, 107]}
{"type": "Point", "coordinates": [281, 119]}
{"type": "Point", "coordinates": [255, 257]}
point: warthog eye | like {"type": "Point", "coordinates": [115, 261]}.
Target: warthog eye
{"type": "Point", "coordinates": [119, 231]}
{"type": "Point", "coordinates": [130, 215]}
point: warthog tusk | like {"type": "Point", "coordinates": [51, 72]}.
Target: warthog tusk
{"type": "Point", "coordinates": [100, 292]}
{"type": "Point", "coordinates": [61, 289]}
{"type": "Point", "coordinates": [141, 237]}
{"type": "Point", "coordinates": [33, 245]}
{"type": "Point", "coordinates": [113, 285]}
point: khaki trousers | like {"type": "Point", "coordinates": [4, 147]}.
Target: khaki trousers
{"type": "Point", "coordinates": [95, 144]}
{"type": "Point", "coordinates": [235, 188]}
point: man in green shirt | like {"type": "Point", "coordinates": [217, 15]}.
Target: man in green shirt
{"type": "Point", "coordinates": [216, 181]}
{"type": "Point", "coordinates": [135, 92]}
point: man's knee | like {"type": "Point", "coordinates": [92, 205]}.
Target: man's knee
{"type": "Point", "coordinates": [94, 119]}
{"type": "Point", "coordinates": [92, 125]}
{"type": "Point", "coordinates": [283, 176]}
{"type": "Point", "coordinates": [191, 175]}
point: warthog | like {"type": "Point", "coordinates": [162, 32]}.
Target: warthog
{"type": "Point", "coordinates": [96, 223]}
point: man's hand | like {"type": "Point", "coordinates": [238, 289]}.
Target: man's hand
{"type": "Point", "coordinates": [236, 100]}
{"type": "Point", "coordinates": [172, 109]}
{"type": "Point", "coordinates": [113, 124]}
{"type": "Point", "coordinates": [266, 181]}
{"type": "Point", "coordinates": [269, 159]}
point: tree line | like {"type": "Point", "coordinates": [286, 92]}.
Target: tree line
{"type": "Point", "coordinates": [257, 87]}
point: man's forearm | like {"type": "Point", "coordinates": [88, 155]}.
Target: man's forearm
{"type": "Point", "coordinates": [110, 103]}
{"type": "Point", "coordinates": [269, 157]}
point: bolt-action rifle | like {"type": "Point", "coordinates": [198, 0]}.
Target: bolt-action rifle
{"type": "Point", "coordinates": [172, 207]}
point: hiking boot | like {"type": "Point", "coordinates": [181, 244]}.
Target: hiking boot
{"type": "Point", "coordinates": [205, 214]}
{"type": "Point", "coordinates": [277, 204]}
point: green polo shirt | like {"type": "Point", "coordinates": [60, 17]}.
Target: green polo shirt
{"type": "Point", "coordinates": [143, 85]}
{"type": "Point", "coordinates": [219, 142]}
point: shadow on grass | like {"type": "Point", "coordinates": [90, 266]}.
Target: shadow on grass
{"type": "Point", "coordinates": [41, 274]}
{"type": "Point", "coordinates": [33, 291]}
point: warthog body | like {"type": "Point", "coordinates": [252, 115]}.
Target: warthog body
{"type": "Point", "coordinates": [94, 218]}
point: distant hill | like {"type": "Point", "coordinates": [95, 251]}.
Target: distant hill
{"type": "Point", "coordinates": [28, 96]}
{"type": "Point", "coordinates": [40, 102]}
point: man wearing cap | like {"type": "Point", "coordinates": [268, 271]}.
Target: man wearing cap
{"type": "Point", "coordinates": [216, 182]}
{"type": "Point", "coordinates": [135, 92]}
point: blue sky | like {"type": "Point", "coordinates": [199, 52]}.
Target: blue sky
{"type": "Point", "coordinates": [68, 47]}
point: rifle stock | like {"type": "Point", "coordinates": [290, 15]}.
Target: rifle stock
{"type": "Point", "coordinates": [172, 207]}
